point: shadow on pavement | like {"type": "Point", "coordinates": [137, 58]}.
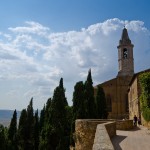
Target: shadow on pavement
{"type": "Point", "coordinates": [135, 128]}
{"type": "Point", "coordinates": [116, 140]}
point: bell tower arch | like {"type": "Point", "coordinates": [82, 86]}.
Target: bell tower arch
{"type": "Point", "coordinates": [125, 55]}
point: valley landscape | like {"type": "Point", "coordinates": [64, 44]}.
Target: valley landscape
{"type": "Point", "coordinates": [6, 115]}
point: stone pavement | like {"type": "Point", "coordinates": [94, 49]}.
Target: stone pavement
{"type": "Point", "coordinates": [135, 139]}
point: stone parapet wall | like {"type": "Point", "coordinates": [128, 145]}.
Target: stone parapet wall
{"type": "Point", "coordinates": [102, 137]}
{"type": "Point", "coordinates": [124, 124]}
{"type": "Point", "coordinates": [85, 130]}
{"type": "Point", "coordinates": [111, 128]}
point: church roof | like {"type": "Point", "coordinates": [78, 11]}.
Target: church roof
{"type": "Point", "coordinates": [138, 73]}
{"type": "Point", "coordinates": [125, 37]}
{"type": "Point", "coordinates": [106, 82]}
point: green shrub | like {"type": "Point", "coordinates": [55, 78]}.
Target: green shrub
{"type": "Point", "coordinates": [145, 95]}
{"type": "Point", "coordinates": [146, 114]}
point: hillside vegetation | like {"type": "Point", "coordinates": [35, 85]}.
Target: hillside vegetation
{"type": "Point", "coordinates": [53, 128]}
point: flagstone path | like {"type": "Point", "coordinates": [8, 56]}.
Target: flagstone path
{"type": "Point", "coordinates": [135, 139]}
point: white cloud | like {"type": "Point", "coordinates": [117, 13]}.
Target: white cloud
{"type": "Point", "coordinates": [36, 58]}
{"type": "Point", "coordinates": [32, 27]}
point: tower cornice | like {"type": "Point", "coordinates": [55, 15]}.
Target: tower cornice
{"type": "Point", "coordinates": [124, 45]}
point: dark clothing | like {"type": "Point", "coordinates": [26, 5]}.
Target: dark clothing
{"type": "Point", "coordinates": [135, 120]}
{"type": "Point", "coordinates": [139, 121]}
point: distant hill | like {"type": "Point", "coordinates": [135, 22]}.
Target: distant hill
{"type": "Point", "coordinates": [6, 115]}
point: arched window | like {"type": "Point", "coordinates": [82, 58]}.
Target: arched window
{"type": "Point", "coordinates": [125, 53]}
{"type": "Point", "coordinates": [109, 103]}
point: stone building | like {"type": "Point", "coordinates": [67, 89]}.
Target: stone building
{"type": "Point", "coordinates": [117, 89]}
{"type": "Point", "coordinates": [134, 95]}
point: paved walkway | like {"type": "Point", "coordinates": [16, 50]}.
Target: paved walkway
{"type": "Point", "coordinates": [136, 139]}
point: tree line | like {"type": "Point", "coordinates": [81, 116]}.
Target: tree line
{"type": "Point", "coordinates": [54, 127]}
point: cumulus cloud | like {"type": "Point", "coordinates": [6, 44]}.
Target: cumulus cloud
{"type": "Point", "coordinates": [32, 27]}
{"type": "Point", "coordinates": [36, 58]}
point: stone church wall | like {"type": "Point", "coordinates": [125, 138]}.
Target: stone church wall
{"type": "Point", "coordinates": [117, 90]}
{"type": "Point", "coordinates": [134, 101]}
{"type": "Point", "coordinates": [134, 98]}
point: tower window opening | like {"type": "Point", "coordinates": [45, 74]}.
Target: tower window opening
{"type": "Point", "coordinates": [125, 53]}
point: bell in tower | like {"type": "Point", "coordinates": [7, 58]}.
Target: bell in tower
{"type": "Point", "coordinates": [125, 55]}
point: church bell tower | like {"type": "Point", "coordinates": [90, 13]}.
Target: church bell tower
{"type": "Point", "coordinates": [125, 55]}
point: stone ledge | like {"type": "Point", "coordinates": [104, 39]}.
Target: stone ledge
{"type": "Point", "coordinates": [124, 124]}
{"type": "Point", "coordinates": [102, 137]}
{"type": "Point", "coordinates": [85, 130]}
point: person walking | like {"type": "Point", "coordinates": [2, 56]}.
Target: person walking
{"type": "Point", "coordinates": [139, 121]}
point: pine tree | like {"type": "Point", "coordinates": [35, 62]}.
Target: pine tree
{"type": "Point", "coordinates": [89, 97]}
{"type": "Point", "coordinates": [101, 104]}
{"type": "Point", "coordinates": [12, 132]}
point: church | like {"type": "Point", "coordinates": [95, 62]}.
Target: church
{"type": "Point", "coordinates": [122, 92]}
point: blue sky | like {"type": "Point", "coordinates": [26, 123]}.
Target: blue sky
{"type": "Point", "coordinates": [44, 40]}
{"type": "Point", "coordinates": [67, 15]}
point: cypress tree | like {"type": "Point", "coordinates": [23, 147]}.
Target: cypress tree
{"type": "Point", "coordinates": [78, 108]}
{"type": "Point", "coordinates": [36, 131]}
{"type": "Point", "coordinates": [42, 119]}
{"type": "Point", "coordinates": [63, 92]}
{"type": "Point", "coordinates": [26, 128]}
{"type": "Point", "coordinates": [78, 101]}
{"type": "Point", "coordinates": [45, 127]}
{"type": "Point", "coordinates": [55, 131]}
{"type": "Point", "coordinates": [22, 129]}
{"type": "Point", "coordinates": [12, 132]}
{"type": "Point", "coordinates": [89, 97]}
{"type": "Point", "coordinates": [48, 110]}
{"type": "Point", "coordinates": [30, 126]}
{"type": "Point", "coordinates": [3, 138]}
{"type": "Point", "coordinates": [101, 104]}
{"type": "Point", "coordinates": [59, 118]}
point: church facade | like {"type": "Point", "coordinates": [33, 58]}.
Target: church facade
{"type": "Point", "coordinates": [118, 90]}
